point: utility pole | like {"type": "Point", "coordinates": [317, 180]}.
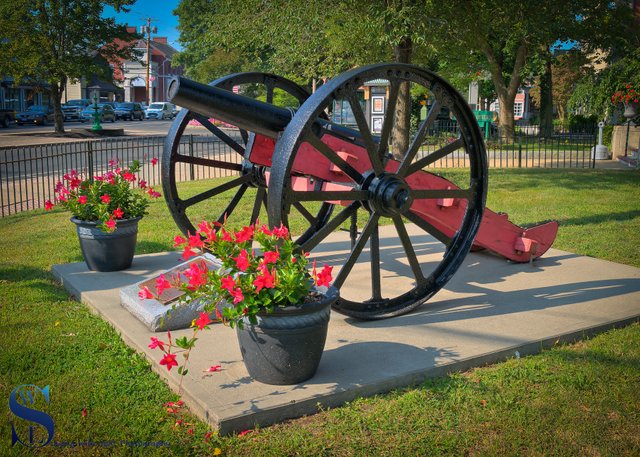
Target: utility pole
{"type": "Point", "coordinates": [147, 29]}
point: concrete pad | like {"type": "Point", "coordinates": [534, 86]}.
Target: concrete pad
{"type": "Point", "coordinates": [488, 311]}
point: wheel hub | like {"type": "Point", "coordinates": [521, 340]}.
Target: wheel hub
{"type": "Point", "coordinates": [390, 195]}
{"type": "Point", "coordinates": [257, 174]}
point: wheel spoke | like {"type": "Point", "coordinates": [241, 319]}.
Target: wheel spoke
{"type": "Point", "coordinates": [388, 119]}
{"type": "Point", "coordinates": [365, 133]}
{"type": "Point", "coordinates": [233, 144]}
{"type": "Point", "coordinates": [333, 224]}
{"type": "Point", "coordinates": [270, 86]}
{"type": "Point", "coordinates": [374, 246]}
{"type": "Point", "coordinates": [422, 194]}
{"type": "Point", "coordinates": [233, 203]}
{"type": "Point", "coordinates": [408, 249]}
{"type": "Point", "coordinates": [329, 195]}
{"type": "Point", "coordinates": [333, 157]}
{"type": "Point", "coordinates": [208, 162]}
{"type": "Point", "coordinates": [260, 196]}
{"type": "Point", "coordinates": [435, 156]}
{"type": "Point", "coordinates": [215, 191]}
{"type": "Point", "coordinates": [357, 249]}
{"type": "Point", "coordinates": [419, 138]}
{"type": "Point", "coordinates": [429, 228]}
{"type": "Point", "coordinates": [305, 213]}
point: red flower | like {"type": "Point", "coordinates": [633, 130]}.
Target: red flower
{"type": "Point", "coordinates": [226, 236]}
{"type": "Point", "coordinates": [265, 281]}
{"type": "Point", "coordinates": [324, 277]}
{"type": "Point", "coordinates": [207, 231]}
{"type": "Point", "coordinates": [82, 199]}
{"type": "Point", "coordinates": [143, 184]}
{"type": "Point", "coordinates": [154, 194]}
{"type": "Point", "coordinates": [178, 241]}
{"type": "Point", "coordinates": [128, 176]}
{"type": "Point", "coordinates": [111, 224]}
{"type": "Point", "coordinates": [118, 213]}
{"type": "Point", "coordinates": [237, 296]}
{"type": "Point", "coordinates": [187, 253]}
{"type": "Point", "coordinates": [48, 206]}
{"type": "Point", "coordinates": [105, 199]}
{"type": "Point", "coordinates": [281, 232]}
{"type": "Point", "coordinates": [203, 321]}
{"type": "Point", "coordinates": [162, 284]}
{"type": "Point", "coordinates": [169, 360]}
{"type": "Point", "coordinates": [244, 235]}
{"type": "Point", "coordinates": [242, 261]}
{"type": "Point", "coordinates": [145, 293]}
{"type": "Point", "coordinates": [244, 432]}
{"type": "Point", "coordinates": [84, 412]}
{"type": "Point", "coordinates": [213, 369]}
{"type": "Point", "coordinates": [154, 161]}
{"type": "Point", "coordinates": [197, 276]}
{"type": "Point", "coordinates": [228, 283]}
{"type": "Point", "coordinates": [271, 256]}
{"type": "Point", "coordinates": [156, 343]}
{"type": "Point", "coordinates": [195, 242]}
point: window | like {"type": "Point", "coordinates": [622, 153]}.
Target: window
{"type": "Point", "coordinates": [518, 109]}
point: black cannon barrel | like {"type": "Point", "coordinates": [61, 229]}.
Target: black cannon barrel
{"type": "Point", "coordinates": [244, 112]}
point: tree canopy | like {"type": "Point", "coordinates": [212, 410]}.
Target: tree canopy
{"type": "Point", "coordinates": [55, 41]}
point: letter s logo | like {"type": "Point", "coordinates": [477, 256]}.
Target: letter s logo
{"type": "Point", "coordinates": [26, 393]}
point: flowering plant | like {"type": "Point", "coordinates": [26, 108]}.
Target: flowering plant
{"type": "Point", "coordinates": [630, 93]}
{"type": "Point", "coordinates": [250, 281]}
{"type": "Point", "coordinates": [106, 198]}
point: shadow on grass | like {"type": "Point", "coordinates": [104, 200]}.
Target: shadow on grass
{"type": "Point", "coordinates": [35, 277]}
{"type": "Point", "coordinates": [150, 247]}
{"type": "Point", "coordinates": [600, 218]}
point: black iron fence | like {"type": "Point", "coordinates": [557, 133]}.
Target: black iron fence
{"type": "Point", "coordinates": [28, 174]}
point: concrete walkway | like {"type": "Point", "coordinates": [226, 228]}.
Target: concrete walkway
{"type": "Point", "coordinates": [488, 311]}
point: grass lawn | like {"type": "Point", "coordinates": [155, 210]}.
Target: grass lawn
{"type": "Point", "coordinates": [582, 399]}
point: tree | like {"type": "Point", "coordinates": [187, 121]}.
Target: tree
{"type": "Point", "coordinates": [509, 34]}
{"type": "Point", "coordinates": [56, 41]}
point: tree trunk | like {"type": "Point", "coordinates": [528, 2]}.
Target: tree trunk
{"type": "Point", "coordinates": [505, 117]}
{"type": "Point", "coordinates": [400, 132]}
{"type": "Point", "coordinates": [546, 100]}
{"type": "Point", "coordinates": [56, 94]}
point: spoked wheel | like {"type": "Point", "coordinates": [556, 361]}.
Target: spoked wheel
{"type": "Point", "coordinates": [246, 182]}
{"type": "Point", "coordinates": [389, 189]}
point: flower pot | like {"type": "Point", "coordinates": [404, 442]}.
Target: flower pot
{"type": "Point", "coordinates": [630, 110]}
{"type": "Point", "coordinates": [104, 251]}
{"type": "Point", "coordinates": [285, 347]}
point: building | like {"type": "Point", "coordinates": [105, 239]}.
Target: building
{"type": "Point", "coordinates": [18, 97]}
{"type": "Point", "coordinates": [132, 75]}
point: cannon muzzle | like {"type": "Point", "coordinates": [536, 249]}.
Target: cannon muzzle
{"type": "Point", "coordinates": [223, 105]}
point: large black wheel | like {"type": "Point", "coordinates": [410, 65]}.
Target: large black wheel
{"type": "Point", "coordinates": [246, 182]}
{"type": "Point", "coordinates": [381, 186]}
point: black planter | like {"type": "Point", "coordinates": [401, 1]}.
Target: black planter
{"type": "Point", "coordinates": [285, 347]}
{"type": "Point", "coordinates": [107, 251]}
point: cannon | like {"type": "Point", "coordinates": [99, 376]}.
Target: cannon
{"type": "Point", "coordinates": [296, 159]}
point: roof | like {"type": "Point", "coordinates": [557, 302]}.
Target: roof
{"type": "Point", "coordinates": [377, 82]}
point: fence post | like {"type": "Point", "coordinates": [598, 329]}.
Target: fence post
{"type": "Point", "coordinates": [191, 166]}
{"type": "Point", "coordinates": [519, 155]}
{"type": "Point", "coordinates": [90, 160]}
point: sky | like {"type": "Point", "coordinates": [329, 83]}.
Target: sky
{"type": "Point", "coordinates": [160, 12]}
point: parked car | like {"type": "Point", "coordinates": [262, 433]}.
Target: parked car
{"type": "Point", "coordinates": [35, 114]}
{"type": "Point", "coordinates": [72, 109]}
{"type": "Point", "coordinates": [6, 117]}
{"type": "Point", "coordinates": [160, 111]}
{"type": "Point", "coordinates": [106, 113]}
{"type": "Point", "coordinates": [129, 111]}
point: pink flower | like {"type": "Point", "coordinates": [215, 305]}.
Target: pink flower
{"type": "Point", "coordinates": [228, 283]}
{"type": "Point", "coordinates": [145, 293]}
{"type": "Point", "coordinates": [281, 232]}
{"type": "Point", "coordinates": [169, 360]}
{"type": "Point", "coordinates": [237, 296]}
{"type": "Point", "coordinates": [82, 199]}
{"type": "Point", "coordinates": [113, 162]}
{"type": "Point", "coordinates": [203, 321]}
{"type": "Point", "coordinates": [242, 261]}
{"type": "Point", "coordinates": [154, 161]}
{"type": "Point", "coordinates": [111, 224]}
{"type": "Point", "coordinates": [156, 343]}
{"type": "Point", "coordinates": [213, 369]}
{"type": "Point", "coordinates": [48, 205]}
{"type": "Point", "coordinates": [105, 199]}
{"type": "Point", "coordinates": [244, 235]}
{"type": "Point", "coordinates": [197, 276]}
{"type": "Point", "coordinates": [118, 213]}
{"type": "Point", "coordinates": [206, 230]}
{"type": "Point", "coordinates": [162, 284]}
{"type": "Point", "coordinates": [155, 194]}
{"type": "Point", "coordinates": [178, 241]}
{"type": "Point", "coordinates": [195, 242]}
{"type": "Point", "coordinates": [143, 184]}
